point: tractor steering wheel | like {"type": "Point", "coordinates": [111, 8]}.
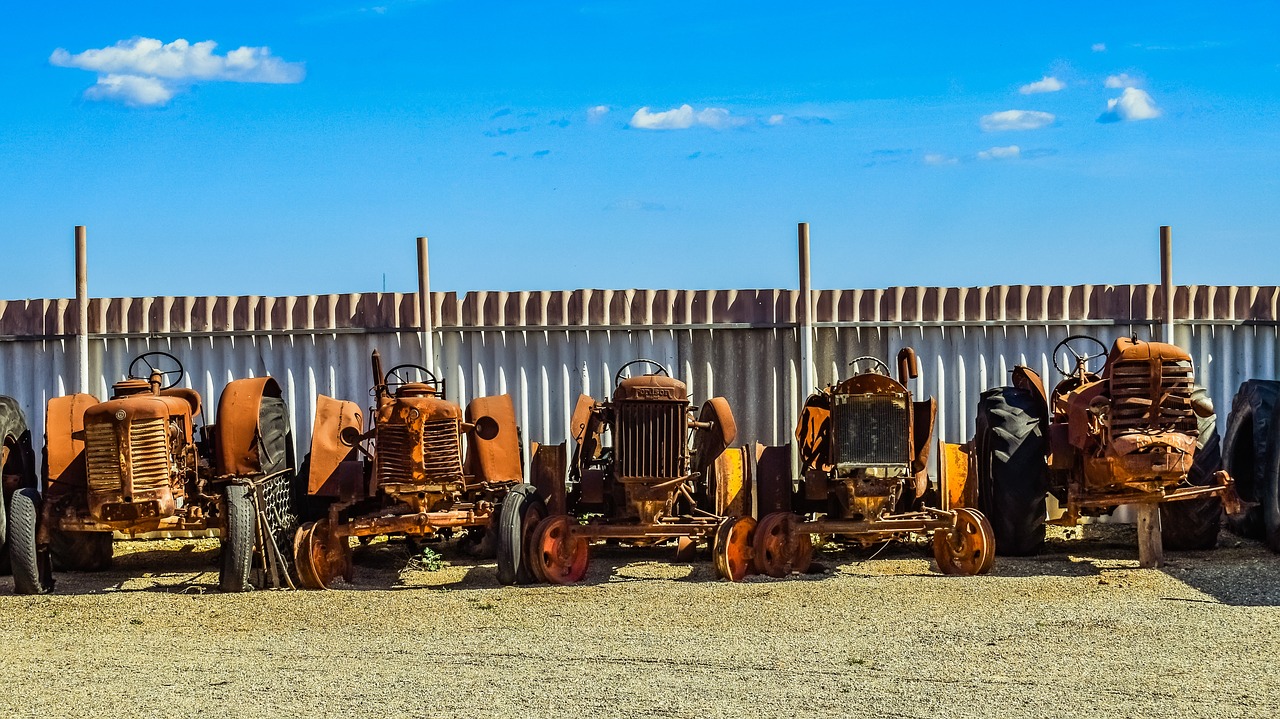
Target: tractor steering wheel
{"type": "Point", "coordinates": [157, 362]}
{"type": "Point", "coordinates": [875, 364]}
{"type": "Point", "coordinates": [1080, 351]}
{"type": "Point", "coordinates": [617, 378]}
{"type": "Point", "coordinates": [403, 374]}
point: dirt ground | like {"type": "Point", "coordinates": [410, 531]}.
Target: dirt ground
{"type": "Point", "coordinates": [1078, 631]}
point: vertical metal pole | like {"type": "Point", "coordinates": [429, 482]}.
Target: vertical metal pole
{"type": "Point", "coordinates": [424, 307]}
{"type": "Point", "coordinates": [82, 311]}
{"type": "Point", "coordinates": [807, 381]}
{"type": "Point", "coordinates": [1166, 279]}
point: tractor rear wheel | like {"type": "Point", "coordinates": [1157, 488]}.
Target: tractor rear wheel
{"type": "Point", "coordinates": [81, 551]}
{"type": "Point", "coordinates": [1248, 446]}
{"type": "Point", "coordinates": [522, 511]}
{"type": "Point", "coordinates": [731, 548]}
{"type": "Point", "coordinates": [559, 556]}
{"type": "Point", "coordinates": [31, 571]}
{"type": "Point", "coordinates": [1012, 474]}
{"type": "Point", "coordinates": [237, 545]}
{"type": "Point", "coordinates": [782, 545]}
{"type": "Point", "coordinates": [1193, 524]}
{"type": "Point", "coordinates": [967, 549]}
{"type": "Point", "coordinates": [4, 531]}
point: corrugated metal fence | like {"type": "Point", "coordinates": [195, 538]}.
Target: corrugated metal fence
{"type": "Point", "coordinates": [545, 348]}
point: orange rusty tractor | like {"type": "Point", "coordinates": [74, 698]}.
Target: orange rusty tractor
{"type": "Point", "coordinates": [864, 446]}
{"type": "Point", "coordinates": [140, 463]}
{"type": "Point", "coordinates": [643, 472]}
{"type": "Point", "coordinates": [420, 468]}
{"type": "Point", "coordinates": [1124, 426]}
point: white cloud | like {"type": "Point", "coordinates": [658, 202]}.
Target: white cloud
{"type": "Point", "coordinates": [1121, 80]}
{"type": "Point", "coordinates": [677, 119]}
{"type": "Point", "coordinates": [1099, 47]}
{"type": "Point", "coordinates": [595, 113]}
{"type": "Point", "coordinates": [1000, 153]}
{"type": "Point", "coordinates": [131, 90]}
{"type": "Point", "coordinates": [1047, 84]}
{"type": "Point", "coordinates": [1133, 104]}
{"type": "Point", "coordinates": [684, 117]}
{"type": "Point", "coordinates": [936, 159]}
{"type": "Point", "coordinates": [1015, 120]}
{"type": "Point", "coordinates": [775, 119]}
{"type": "Point", "coordinates": [145, 71]}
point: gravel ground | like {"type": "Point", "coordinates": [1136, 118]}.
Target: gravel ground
{"type": "Point", "coordinates": [1077, 631]}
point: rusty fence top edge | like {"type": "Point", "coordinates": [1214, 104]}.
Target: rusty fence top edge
{"type": "Point", "coordinates": [680, 327]}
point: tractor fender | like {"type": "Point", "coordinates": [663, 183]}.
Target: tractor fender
{"type": "Point", "coordinates": [334, 419]}
{"type": "Point", "coordinates": [237, 428]}
{"type": "Point", "coordinates": [493, 446]}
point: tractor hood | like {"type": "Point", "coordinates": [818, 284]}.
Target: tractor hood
{"type": "Point", "coordinates": [651, 387]}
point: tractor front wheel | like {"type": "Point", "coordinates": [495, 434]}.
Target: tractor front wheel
{"type": "Point", "coordinates": [731, 548]}
{"type": "Point", "coordinates": [559, 557]}
{"type": "Point", "coordinates": [320, 557]}
{"type": "Point", "coordinates": [782, 545]}
{"type": "Point", "coordinates": [237, 545]}
{"type": "Point", "coordinates": [522, 511]}
{"type": "Point", "coordinates": [967, 549]}
{"type": "Point", "coordinates": [31, 571]}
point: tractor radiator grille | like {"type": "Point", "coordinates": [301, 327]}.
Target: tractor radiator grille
{"type": "Point", "coordinates": [442, 457]}
{"type": "Point", "coordinates": [149, 457]}
{"type": "Point", "coordinates": [103, 458]}
{"type": "Point", "coordinates": [650, 440]}
{"type": "Point", "coordinates": [1152, 395]}
{"type": "Point", "coordinates": [871, 429]}
{"type": "Point", "coordinates": [441, 454]}
{"type": "Point", "coordinates": [394, 458]}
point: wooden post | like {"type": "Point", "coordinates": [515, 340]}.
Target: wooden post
{"type": "Point", "coordinates": [1150, 545]}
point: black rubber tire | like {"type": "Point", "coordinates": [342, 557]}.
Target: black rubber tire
{"type": "Point", "coordinates": [1193, 524]}
{"type": "Point", "coordinates": [4, 538]}
{"type": "Point", "coordinates": [81, 551]}
{"type": "Point", "coordinates": [1247, 449]}
{"type": "Point", "coordinates": [31, 572]}
{"type": "Point", "coordinates": [1012, 473]}
{"type": "Point", "coordinates": [513, 564]}
{"type": "Point", "coordinates": [1269, 492]}
{"type": "Point", "coordinates": [237, 545]}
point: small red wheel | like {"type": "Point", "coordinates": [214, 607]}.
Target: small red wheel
{"type": "Point", "coordinates": [782, 545]}
{"type": "Point", "coordinates": [319, 556]}
{"type": "Point", "coordinates": [560, 556]}
{"type": "Point", "coordinates": [967, 549]}
{"type": "Point", "coordinates": [731, 547]}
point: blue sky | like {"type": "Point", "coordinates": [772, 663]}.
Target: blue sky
{"type": "Point", "coordinates": [926, 143]}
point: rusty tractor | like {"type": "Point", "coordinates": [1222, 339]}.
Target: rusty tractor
{"type": "Point", "coordinates": [19, 503]}
{"type": "Point", "coordinates": [652, 481]}
{"type": "Point", "coordinates": [139, 463]}
{"type": "Point", "coordinates": [864, 446]}
{"type": "Point", "coordinates": [421, 468]}
{"type": "Point", "coordinates": [1123, 426]}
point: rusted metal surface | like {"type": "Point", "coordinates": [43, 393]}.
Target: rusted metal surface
{"type": "Point", "coordinates": [648, 483]}
{"type": "Point", "coordinates": [1131, 428]}
{"type": "Point", "coordinates": [336, 422]}
{"type": "Point", "coordinates": [413, 480]}
{"type": "Point", "coordinates": [138, 463]}
{"type": "Point", "coordinates": [238, 411]}
{"type": "Point", "coordinates": [864, 444]}
{"type": "Point", "coordinates": [493, 450]}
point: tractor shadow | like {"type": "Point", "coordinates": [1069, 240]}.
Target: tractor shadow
{"type": "Point", "coordinates": [1240, 572]}
{"type": "Point", "coordinates": [169, 566]}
